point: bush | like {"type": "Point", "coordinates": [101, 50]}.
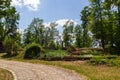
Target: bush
{"type": "Point", "coordinates": [71, 48]}
{"type": "Point", "coordinates": [86, 52]}
{"type": "Point", "coordinates": [8, 45]}
{"type": "Point", "coordinates": [114, 62]}
{"type": "Point", "coordinates": [33, 51]}
{"type": "Point", "coordinates": [53, 54]}
{"type": "Point", "coordinates": [15, 48]}
{"type": "Point", "coordinates": [98, 60]}
{"type": "Point", "coordinates": [97, 52]}
{"type": "Point", "coordinates": [89, 52]}
{"type": "Point", "coordinates": [52, 45]}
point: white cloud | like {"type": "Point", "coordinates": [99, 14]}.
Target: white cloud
{"type": "Point", "coordinates": [62, 22]}
{"type": "Point", "coordinates": [30, 4]}
{"type": "Point", "coordinates": [16, 3]}
{"type": "Point", "coordinates": [46, 24]}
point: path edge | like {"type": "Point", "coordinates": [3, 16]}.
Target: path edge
{"type": "Point", "coordinates": [14, 75]}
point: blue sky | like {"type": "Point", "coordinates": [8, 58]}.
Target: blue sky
{"type": "Point", "coordinates": [49, 10]}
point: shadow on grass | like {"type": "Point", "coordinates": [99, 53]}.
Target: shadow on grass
{"type": "Point", "coordinates": [8, 55]}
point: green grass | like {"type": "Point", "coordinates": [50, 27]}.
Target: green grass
{"type": "Point", "coordinates": [53, 54]}
{"type": "Point", "coordinates": [5, 75]}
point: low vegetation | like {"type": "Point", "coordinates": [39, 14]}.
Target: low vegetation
{"type": "Point", "coordinates": [53, 54]}
{"type": "Point", "coordinates": [100, 27]}
{"type": "Point", "coordinates": [98, 67]}
{"type": "Point", "coordinates": [33, 51]}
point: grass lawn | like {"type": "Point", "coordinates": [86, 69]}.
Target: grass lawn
{"type": "Point", "coordinates": [5, 75]}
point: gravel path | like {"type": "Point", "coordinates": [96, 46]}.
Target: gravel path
{"type": "Point", "coordinates": [29, 71]}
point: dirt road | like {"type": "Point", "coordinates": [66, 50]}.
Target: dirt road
{"type": "Point", "coordinates": [29, 71]}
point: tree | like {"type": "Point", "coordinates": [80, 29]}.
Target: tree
{"type": "Point", "coordinates": [38, 33]}
{"type": "Point", "coordinates": [28, 36]}
{"type": "Point", "coordinates": [11, 24]}
{"type": "Point", "coordinates": [96, 22]}
{"type": "Point", "coordinates": [35, 32]}
{"type": "Point", "coordinates": [47, 36]}
{"type": "Point", "coordinates": [67, 33]}
{"type": "Point", "coordinates": [84, 17]}
{"type": "Point", "coordinates": [8, 19]}
{"type": "Point", "coordinates": [78, 36]}
{"type": "Point", "coordinates": [4, 6]}
{"type": "Point", "coordinates": [51, 33]}
{"type": "Point", "coordinates": [116, 3]}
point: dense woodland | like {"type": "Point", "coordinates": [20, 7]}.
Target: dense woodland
{"type": "Point", "coordinates": [100, 28]}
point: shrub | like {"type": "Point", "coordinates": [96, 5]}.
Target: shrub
{"type": "Point", "coordinates": [52, 45]}
{"type": "Point", "coordinates": [53, 54]}
{"type": "Point", "coordinates": [97, 52]}
{"type": "Point", "coordinates": [15, 48]}
{"type": "Point", "coordinates": [98, 60]}
{"type": "Point", "coordinates": [86, 52]}
{"type": "Point", "coordinates": [71, 48]}
{"type": "Point", "coordinates": [33, 51]}
{"type": "Point", "coordinates": [93, 52]}
{"type": "Point", "coordinates": [8, 45]}
{"type": "Point", "coordinates": [114, 62]}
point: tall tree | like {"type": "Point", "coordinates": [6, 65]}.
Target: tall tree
{"type": "Point", "coordinates": [35, 32]}
{"type": "Point", "coordinates": [113, 11]}
{"type": "Point", "coordinates": [8, 19]}
{"type": "Point", "coordinates": [11, 23]}
{"type": "Point", "coordinates": [53, 30]}
{"type": "Point", "coordinates": [78, 36]}
{"type": "Point", "coordinates": [51, 33]}
{"type": "Point", "coordinates": [67, 33]}
{"type": "Point", "coordinates": [84, 17]}
{"type": "Point", "coordinates": [97, 21]}
{"type": "Point", "coordinates": [117, 36]}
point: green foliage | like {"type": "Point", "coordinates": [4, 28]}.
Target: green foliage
{"type": "Point", "coordinates": [15, 48]}
{"type": "Point", "coordinates": [91, 52]}
{"type": "Point", "coordinates": [86, 39]}
{"type": "Point", "coordinates": [109, 60]}
{"type": "Point", "coordinates": [105, 19]}
{"type": "Point", "coordinates": [34, 32]}
{"type": "Point", "coordinates": [114, 62]}
{"type": "Point", "coordinates": [67, 33]}
{"type": "Point", "coordinates": [53, 54]}
{"type": "Point", "coordinates": [11, 46]}
{"type": "Point", "coordinates": [78, 36]}
{"type": "Point", "coordinates": [8, 44]}
{"type": "Point", "coordinates": [8, 19]}
{"type": "Point", "coordinates": [33, 51]}
{"type": "Point", "coordinates": [86, 52]}
{"type": "Point", "coordinates": [38, 33]}
{"type": "Point", "coordinates": [117, 43]}
{"type": "Point", "coordinates": [52, 45]}
{"type": "Point", "coordinates": [98, 61]}
{"type": "Point", "coordinates": [97, 52]}
{"type": "Point", "coordinates": [71, 48]}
